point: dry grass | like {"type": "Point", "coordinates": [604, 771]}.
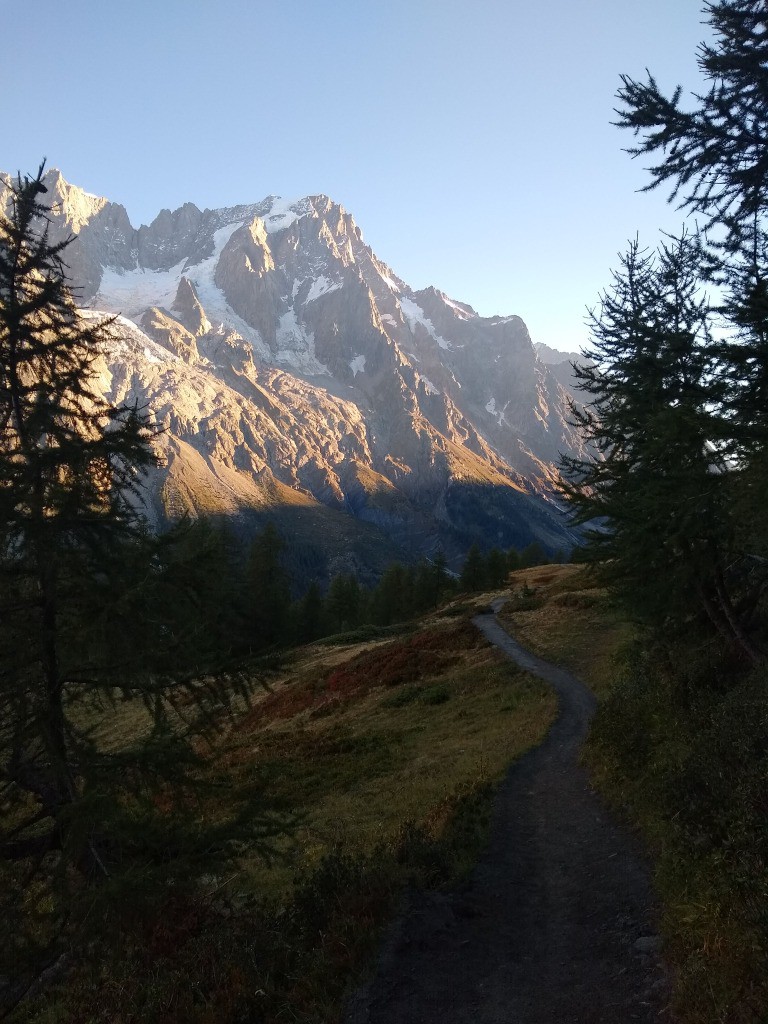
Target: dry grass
{"type": "Point", "coordinates": [388, 751]}
{"type": "Point", "coordinates": [364, 740]}
{"type": "Point", "coordinates": [559, 613]}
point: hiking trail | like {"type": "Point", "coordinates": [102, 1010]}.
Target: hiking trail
{"type": "Point", "coordinates": [555, 923]}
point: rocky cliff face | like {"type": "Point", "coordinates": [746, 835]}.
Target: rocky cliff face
{"type": "Point", "coordinates": [292, 368]}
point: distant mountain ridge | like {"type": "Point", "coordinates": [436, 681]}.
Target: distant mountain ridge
{"type": "Point", "coordinates": [293, 370]}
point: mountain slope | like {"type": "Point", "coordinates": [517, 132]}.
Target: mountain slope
{"type": "Point", "coordinates": [289, 365]}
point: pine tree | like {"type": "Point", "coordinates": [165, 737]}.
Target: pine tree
{"type": "Point", "coordinates": [715, 156]}
{"type": "Point", "coordinates": [473, 572]}
{"type": "Point", "coordinates": [269, 589]}
{"type": "Point", "coordinates": [714, 159]}
{"type": "Point", "coordinates": [310, 614]}
{"type": "Point", "coordinates": [76, 636]}
{"type": "Point", "coordinates": [443, 581]}
{"type": "Point", "coordinates": [392, 600]}
{"type": "Point", "coordinates": [197, 597]}
{"type": "Point", "coordinates": [496, 568]}
{"type": "Point", "coordinates": [657, 492]}
{"type": "Point", "coordinates": [344, 602]}
{"type": "Point", "coordinates": [68, 488]}
{"type": "Point", "coordinates": [532, 554]}
{"type": "Point", "coordinates": [513, 560]}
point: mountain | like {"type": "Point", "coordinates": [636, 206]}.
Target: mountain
{"type": "Point", "coordinates": [298, 378]}
{"type": "Point", "coordinates": [560, 364]}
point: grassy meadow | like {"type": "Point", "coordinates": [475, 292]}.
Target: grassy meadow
{"type": "Point", "coordinates": [381, 749]}
{"type": "Point", "coordinates": [383, 753]}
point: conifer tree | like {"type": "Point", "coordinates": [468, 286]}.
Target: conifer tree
{"type": "Point", "coordinates": [68, 487]}
{"type": "Point", "coordinates": [513, 560]}
{"type": "Point", "coordinates": [426, 587]}
{"type": "Point", "coordinates": [532, 554]}
{"type": "Point", "coordinates": [75, 632]}
{"type": "Point", "coordinates": [392, 600]}
{"type": "Point", "coordinates": [658, 491]}
{"type": "Point", "coordinates": [310, 614]}
{"type": "Point", "coordinates": [344, 602]}
{"type": "Point", "coordinates": [495, 568]}
{"type": "Point", "coordinates": [713, 157]}
{"type": "Point", "coordinates": [269, 588]}
{"type": "Point", "coordinates": [443, 580]}
{"type": "Point", "coordinates": [197, 596]}
{"type": "Point", "coordinates": [714, 160]}
{"type": "Point", "coordinates": [473, 571]}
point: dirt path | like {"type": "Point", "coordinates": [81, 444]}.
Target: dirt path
{"type": "Point", "coordinates": [554, 925]}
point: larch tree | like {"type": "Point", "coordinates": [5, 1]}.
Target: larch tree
{"type": "Point", "coordinates": [681, 389]}
{"type": "Point", "coordinates": [77, 624]}
{"type": "Point", "coordinates": [269, 590]}
{"type": "Point", "coordinates": [69, 470]}
{"type": "Point", "coordinates": [713, 158]}
{"type": "Point", "coordinates": [473, 571]}
{"type": "Point", "coordinates": [657, 496]}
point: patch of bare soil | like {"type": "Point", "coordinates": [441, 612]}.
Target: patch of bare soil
{"type": "Point", "coordinates": [555, 925]}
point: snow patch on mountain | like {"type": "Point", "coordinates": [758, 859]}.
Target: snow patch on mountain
{"type": "Point", "coordinates": [320, 286]}
{"type": "Point", "coordinates": [129, 340]}
{"type": "Point", "coordinates": [498, 414]}
{"type": "Point", "coordinates": [212, 297]}
{"type": "Point", "coordinates": [283, 212]}
{"type": "Point", "coordinates": [414, 314]}
{"type": "Point", "coordinates": [296, 346]}
{"type": "Point", "coordinates": [357, 365]}
{"type": "Point", "coordinates": [132, 291]}
{"type": "Point", "coordinates": [280, 215]}
{"type": "Point", "coordinates": [462, 311]}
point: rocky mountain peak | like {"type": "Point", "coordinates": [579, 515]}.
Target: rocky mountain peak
{"type": "Point", "coordinates": [75, 207]}
{"type": "Point", "coordinates": [289, 364]}
{"type": "Point", "coordinates": [190, 312]}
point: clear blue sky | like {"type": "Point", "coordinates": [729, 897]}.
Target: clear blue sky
{"type": "Point", "coordinates": [471, 142]}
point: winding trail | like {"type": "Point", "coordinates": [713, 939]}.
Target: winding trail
{"type": "Point", "coordinates": [554, 925]}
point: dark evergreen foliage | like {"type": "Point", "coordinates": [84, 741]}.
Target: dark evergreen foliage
{"type": "Point", "coordinates": [532, 554]}
{"type": "Point", "coordinates": [93, 612]}
{"type": "Point", "coordinates": [660, 490]}
{"type": "Point", "coordinates": [68, 465]}
{"type": "Point", "coordinates": [269, 589]}
{"type": "Point", "coordinates": [513, 560]}
{"type": "Point", "coordinates": [680, 410]}
{"type": "Point", "coordinates": [715, 156]}
{"type": "Point", "coordinates": [310, 614]}
{"type": "Point", "coordinates": [392, 600]}
{"type": "Point", "coordinates": [495, 569]}
{"type": "Point", "coordinates": [196, 595]}
{"type": "Point", "coordinates": [473, 572]}
{"type": "Point", "coordinates": [344, 604]}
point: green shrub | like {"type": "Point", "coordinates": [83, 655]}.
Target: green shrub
{"type": "Point", "coordinates": [689, 758]}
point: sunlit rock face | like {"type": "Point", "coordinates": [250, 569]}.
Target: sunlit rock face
{"type": "Point", "coordinates": [289, 366]}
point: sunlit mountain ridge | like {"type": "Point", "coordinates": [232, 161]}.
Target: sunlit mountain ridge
{"type": "Point", "coordinates": [292, 369]}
